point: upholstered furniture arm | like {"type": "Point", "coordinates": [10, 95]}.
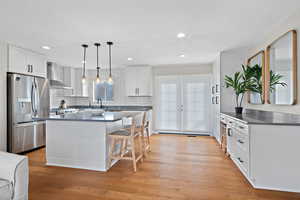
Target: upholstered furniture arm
{"type": "Point", "coordinates": [14, 168]}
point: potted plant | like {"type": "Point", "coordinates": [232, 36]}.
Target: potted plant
{"type": "Point", "coordinates": [253, 76]}
{"type": "Point", "coordinates": [239, 84]}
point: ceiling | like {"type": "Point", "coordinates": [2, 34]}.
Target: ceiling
{"type": "Point", "coordinates": [144, 30]}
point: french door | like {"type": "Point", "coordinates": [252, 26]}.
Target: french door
{"type": "Point", "coordinates": [183, 104]}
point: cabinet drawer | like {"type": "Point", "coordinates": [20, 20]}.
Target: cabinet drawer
{"type": "Point", "coordinates": [242, 160]}
{"type": "Point", "coordinates": [241, 127]}
{"type": "Point", "coordinates": [242, 141]}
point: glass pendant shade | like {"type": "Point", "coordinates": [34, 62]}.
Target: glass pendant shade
{"type": "Point", "coordinates": [110, 80]}
{"type": "Point", "coordinates": [98, 80]}
{"type": "Point", "coordinates": [83, 79]}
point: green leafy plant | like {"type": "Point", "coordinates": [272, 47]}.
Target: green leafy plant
{"type": "Point", "coordinates": [255, 81]}
{"type": "Point", "coordinates": [238, 84]}
{"type": "Point", "coordinates": [250, 79]}
{"type": "Point", "coordinates": [275, 80]}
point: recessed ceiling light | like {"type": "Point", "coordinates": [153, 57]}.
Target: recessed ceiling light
{"type": "Point", "coordinates": [46, 47]}
{"type": "Point", "coordinates": [180, 35]}
{"type": "Point", "coordinates": [129, 59]}
{"type": "Point", "coordinates": [181, 55]}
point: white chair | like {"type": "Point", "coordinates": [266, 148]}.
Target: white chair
{"type": "Point", "coordinates": [13, 177]}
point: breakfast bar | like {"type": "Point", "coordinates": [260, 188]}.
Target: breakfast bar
{"type": "Point", "coordinates": [80, 140]}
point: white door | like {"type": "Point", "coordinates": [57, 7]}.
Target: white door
{"type": "Point", "coordinates": [168, 101]}
{"type": "Point", "coordinates": [195, 103]}
{"type": "Point", "coordinates": [183, 104]}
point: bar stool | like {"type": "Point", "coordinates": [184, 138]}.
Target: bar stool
{"type": "Point", "coordinates": [124, 137]}
{"type": "Point", "coordinates": [143, 129]}
{"type": "Point", "coordinates": [145, 135]}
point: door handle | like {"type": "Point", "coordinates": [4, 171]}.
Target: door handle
{"type": "Point", "coordinates": [32, 101]}
{"type": "Point", "coordinates": [35, 96]}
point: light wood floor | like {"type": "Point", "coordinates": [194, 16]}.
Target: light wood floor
{"type": "Point", "coordinates": [179, 167]}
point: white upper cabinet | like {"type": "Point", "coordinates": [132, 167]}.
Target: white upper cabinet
{"type": "Point", "coordinates": [26, 62]}
{"type": "Point", "coordinates": [138, 81]}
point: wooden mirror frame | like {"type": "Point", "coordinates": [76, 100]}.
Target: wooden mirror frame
{"type": "Point", "coordinates": [294, 67]}
{"type": "Point", "coordinates": [262, 74]}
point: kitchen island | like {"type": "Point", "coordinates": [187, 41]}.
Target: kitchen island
{"type": "Point", "coordinates": [80, 140]}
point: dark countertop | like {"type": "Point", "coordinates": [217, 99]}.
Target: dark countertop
{"type": "Point", "coordinates": [266, 117]}
{"type": "Point", "coordinates": [110, 108]}
{"type": "Point", "coordinates": [90, 116]}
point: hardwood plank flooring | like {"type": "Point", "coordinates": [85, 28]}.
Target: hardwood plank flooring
{"type": "Point", "coordinates": [179, 167]}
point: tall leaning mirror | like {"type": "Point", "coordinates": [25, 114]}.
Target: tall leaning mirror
{"type": "Point", "coordinates": [257, 63]}
{"type": "Point", "coordinates": [281, 72]}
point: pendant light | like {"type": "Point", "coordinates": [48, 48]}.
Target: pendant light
{"type": "Point", "coordinates": [98, 68]}
{"type": "Point", "coordinates": [110, 80]}
{"type": "Point", "coordinates": [84, 61]}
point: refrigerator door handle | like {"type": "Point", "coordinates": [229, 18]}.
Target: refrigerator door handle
{"type": "Point", "coordinates": [32, 99]}
{"type": "Point", "coordinates": [37, 96]}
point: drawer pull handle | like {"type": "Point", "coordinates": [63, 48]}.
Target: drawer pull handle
{"type": "Point", "coordinates": [230, 122]}
{"type": "Point", "coordinates": [241, 161]}
{"type": "Point", "coordinates": [241, 127]}
{"type": "Point", "coordinates": [240, 141]}
{"type": "Point", "coordinates": [229, 132]}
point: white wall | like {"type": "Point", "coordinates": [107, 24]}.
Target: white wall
{"type": "Point", "coordinates": [231, 62]}
{"type": "Point", "coordinates": [216, 68]}
{"type": "Point", "coordinates": [292, 22]}
{"type": "Point", "coordinates": [181, 69]}
{"type": "Point", "coordinates": [3, 96]}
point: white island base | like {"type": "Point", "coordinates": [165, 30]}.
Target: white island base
{"type": "Point", "coordinates": [79, 144]}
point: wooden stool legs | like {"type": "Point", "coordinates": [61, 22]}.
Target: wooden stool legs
{"type": "Point", "coordinates": [125, 148]}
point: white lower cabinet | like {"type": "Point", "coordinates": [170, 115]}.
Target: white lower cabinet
{"type": "Point", "coordinates": [267, 155]}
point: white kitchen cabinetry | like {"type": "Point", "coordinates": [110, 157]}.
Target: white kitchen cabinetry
{"type": "Point", "coordinates": [267, 154]}
{"type": "Point", "coordinates": [138, 81]}
{"type": "Point", "coordinates": [76, 83]}
{"type": "Point", "coordinates": [26, 62]}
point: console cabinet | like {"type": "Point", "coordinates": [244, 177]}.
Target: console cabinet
{"type": "Point", "coordinates": [266, 154]}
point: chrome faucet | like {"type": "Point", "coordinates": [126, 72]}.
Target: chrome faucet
{"type": "Point", "coordinates": [100, 102]}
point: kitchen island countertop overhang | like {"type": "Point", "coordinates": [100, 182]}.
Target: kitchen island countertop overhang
{"type": "Point", "coordinates": [91, 116]}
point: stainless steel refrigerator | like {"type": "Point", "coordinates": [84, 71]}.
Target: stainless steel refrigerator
{"type": "Point", "coordinates": [28, 98]}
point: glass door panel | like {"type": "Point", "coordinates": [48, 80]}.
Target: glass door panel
{"type": "Point", "coordinates": [195, 104]}
{"type": "Point", "coordinates": [168, 102]}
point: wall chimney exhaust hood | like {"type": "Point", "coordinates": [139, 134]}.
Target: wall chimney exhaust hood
{"type": "Point", "coordinates": [55, 75]}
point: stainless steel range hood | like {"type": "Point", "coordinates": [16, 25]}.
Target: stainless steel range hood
{"type": "Point", "coordinates": [55, 75]}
